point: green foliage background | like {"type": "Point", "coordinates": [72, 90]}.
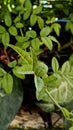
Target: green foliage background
{"type": "Point", "coordinates": [30, 44]}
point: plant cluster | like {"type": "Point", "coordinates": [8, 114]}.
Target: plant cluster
{"type": "Point", "coordinates": [28, 32]}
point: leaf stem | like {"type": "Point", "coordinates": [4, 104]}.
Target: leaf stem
{"type": "Point", "coordinates": [21, 32]}
{"type": "Point", "coordinates": [54, 101]}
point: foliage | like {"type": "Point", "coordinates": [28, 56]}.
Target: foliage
{"type": "Point", "coordinates": [10, 104]}
{"type": "Point", "coordinates": [26, 33]}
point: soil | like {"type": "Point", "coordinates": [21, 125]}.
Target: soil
{"type": "Point", "coordinates": [31, 119]}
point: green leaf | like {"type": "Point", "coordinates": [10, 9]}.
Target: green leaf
{"type": "Point", "coordinates": [37, 10]}
{"type": "Point", "coordinates": [37, 52]}
{"type": "Point", "coordinates": [0, 37]}
{"type": "Point", "coordinates": [56, 28]}
{"type": "Point", "coordinates": [12, 64]}
{"type": "Point", "coordinates": [35, 43]}
{"type": "Point", "coordinates": [28, 7]}
{"type": "Point", "coordinates": [2, 29]}
{"type": "Point", "coordinates": [71, 128]}
{"type": "Point", "coordinates": [22, 61]}
{"type": "Point", "coordinates": [55, 64]}
{"type": "Point", "coordinates": [22, 1]}
{"type": "Point", "coordinates": [26, 15]}
{"type": "Point", "coordinates": [46, 106]}
{"type": "Point", "coordinates": [8, 20]}
{"type": "Point", "coordinates": [39, 84]}
{"type": "Point", "coordinates": [31, 34]}
{"type": "Point", "coordinates": [53, 81]}
{"type": "Point", "coordinates": [47, 41]}
{"type": "Point", "coordinates": [69, 26]}
{"type": "Point", "coordinates": [71, 17]}
{"type": "Point", "coordinates": [62, 93]}
{"type": "Point", "coordinates": [23, 45]}
{"type": "Point", "coordinates": [41, 69]}
{"type": "Point", "coordinates": [15, 72]}
{"type": "Point", "coordinates": [21, 38]}
{"type": "Point", "coordinates": [26, 45]}
{"type": "Point", "coordinates": [7, 83]}
{"type": "Point", "coordinates": [50, 79]}
{"type": "Point", "coordinates": [66, 113]}
{"type": "Point", "coordinates": [71, 59]}
{"type": "Point", "coordinates": [33, 19]}
{"type": "Point", "coordinates": [17, 19]}
{"type": "Point", "coordinates": [25, 69]}
{"type": "Point", "coordinates": [40, 22]}
{"type": "Point", "coordinates": [5, 39]}
{"type": "Point", "coordinates": [8, 110]}
{"type": "Point", "coordinates": [13, 31]}
{"type": "Point", "coordinates": [65, 67]}
{"type": "Point", "coordinates": [2, 72]}
{"type": "Point", "coordinates": [66, 11]}
{"type": "Point", "coordinates": [53, 38]}
{"type": "Point", "coordinates": [45, 31]}
{"type": "Point", "coordinates": [59, 5]}
{"type": "Point", "coordinates": [27, 72]}
{"type": "Point", "coordinates": [19, 8]}
{"type": "Point", "coordinates": [19, 25]}
{"type": "Point", "coordinates": [68, 80]}
{"type": "Point", "coordinates": [24, 55]}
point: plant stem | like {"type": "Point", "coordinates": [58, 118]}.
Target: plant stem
{"type": "Point", "coordinates": [55, 102]}
{"type": "Point", "coordinates": [66, 45]}
{"type": "Point", "coordinates": [21, 32]}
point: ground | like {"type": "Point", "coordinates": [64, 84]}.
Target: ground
{"type": "Point", "coordinates": [31, 119]}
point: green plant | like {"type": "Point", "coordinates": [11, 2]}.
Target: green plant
{"type": "Point", "coordinates": [26, 33]}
